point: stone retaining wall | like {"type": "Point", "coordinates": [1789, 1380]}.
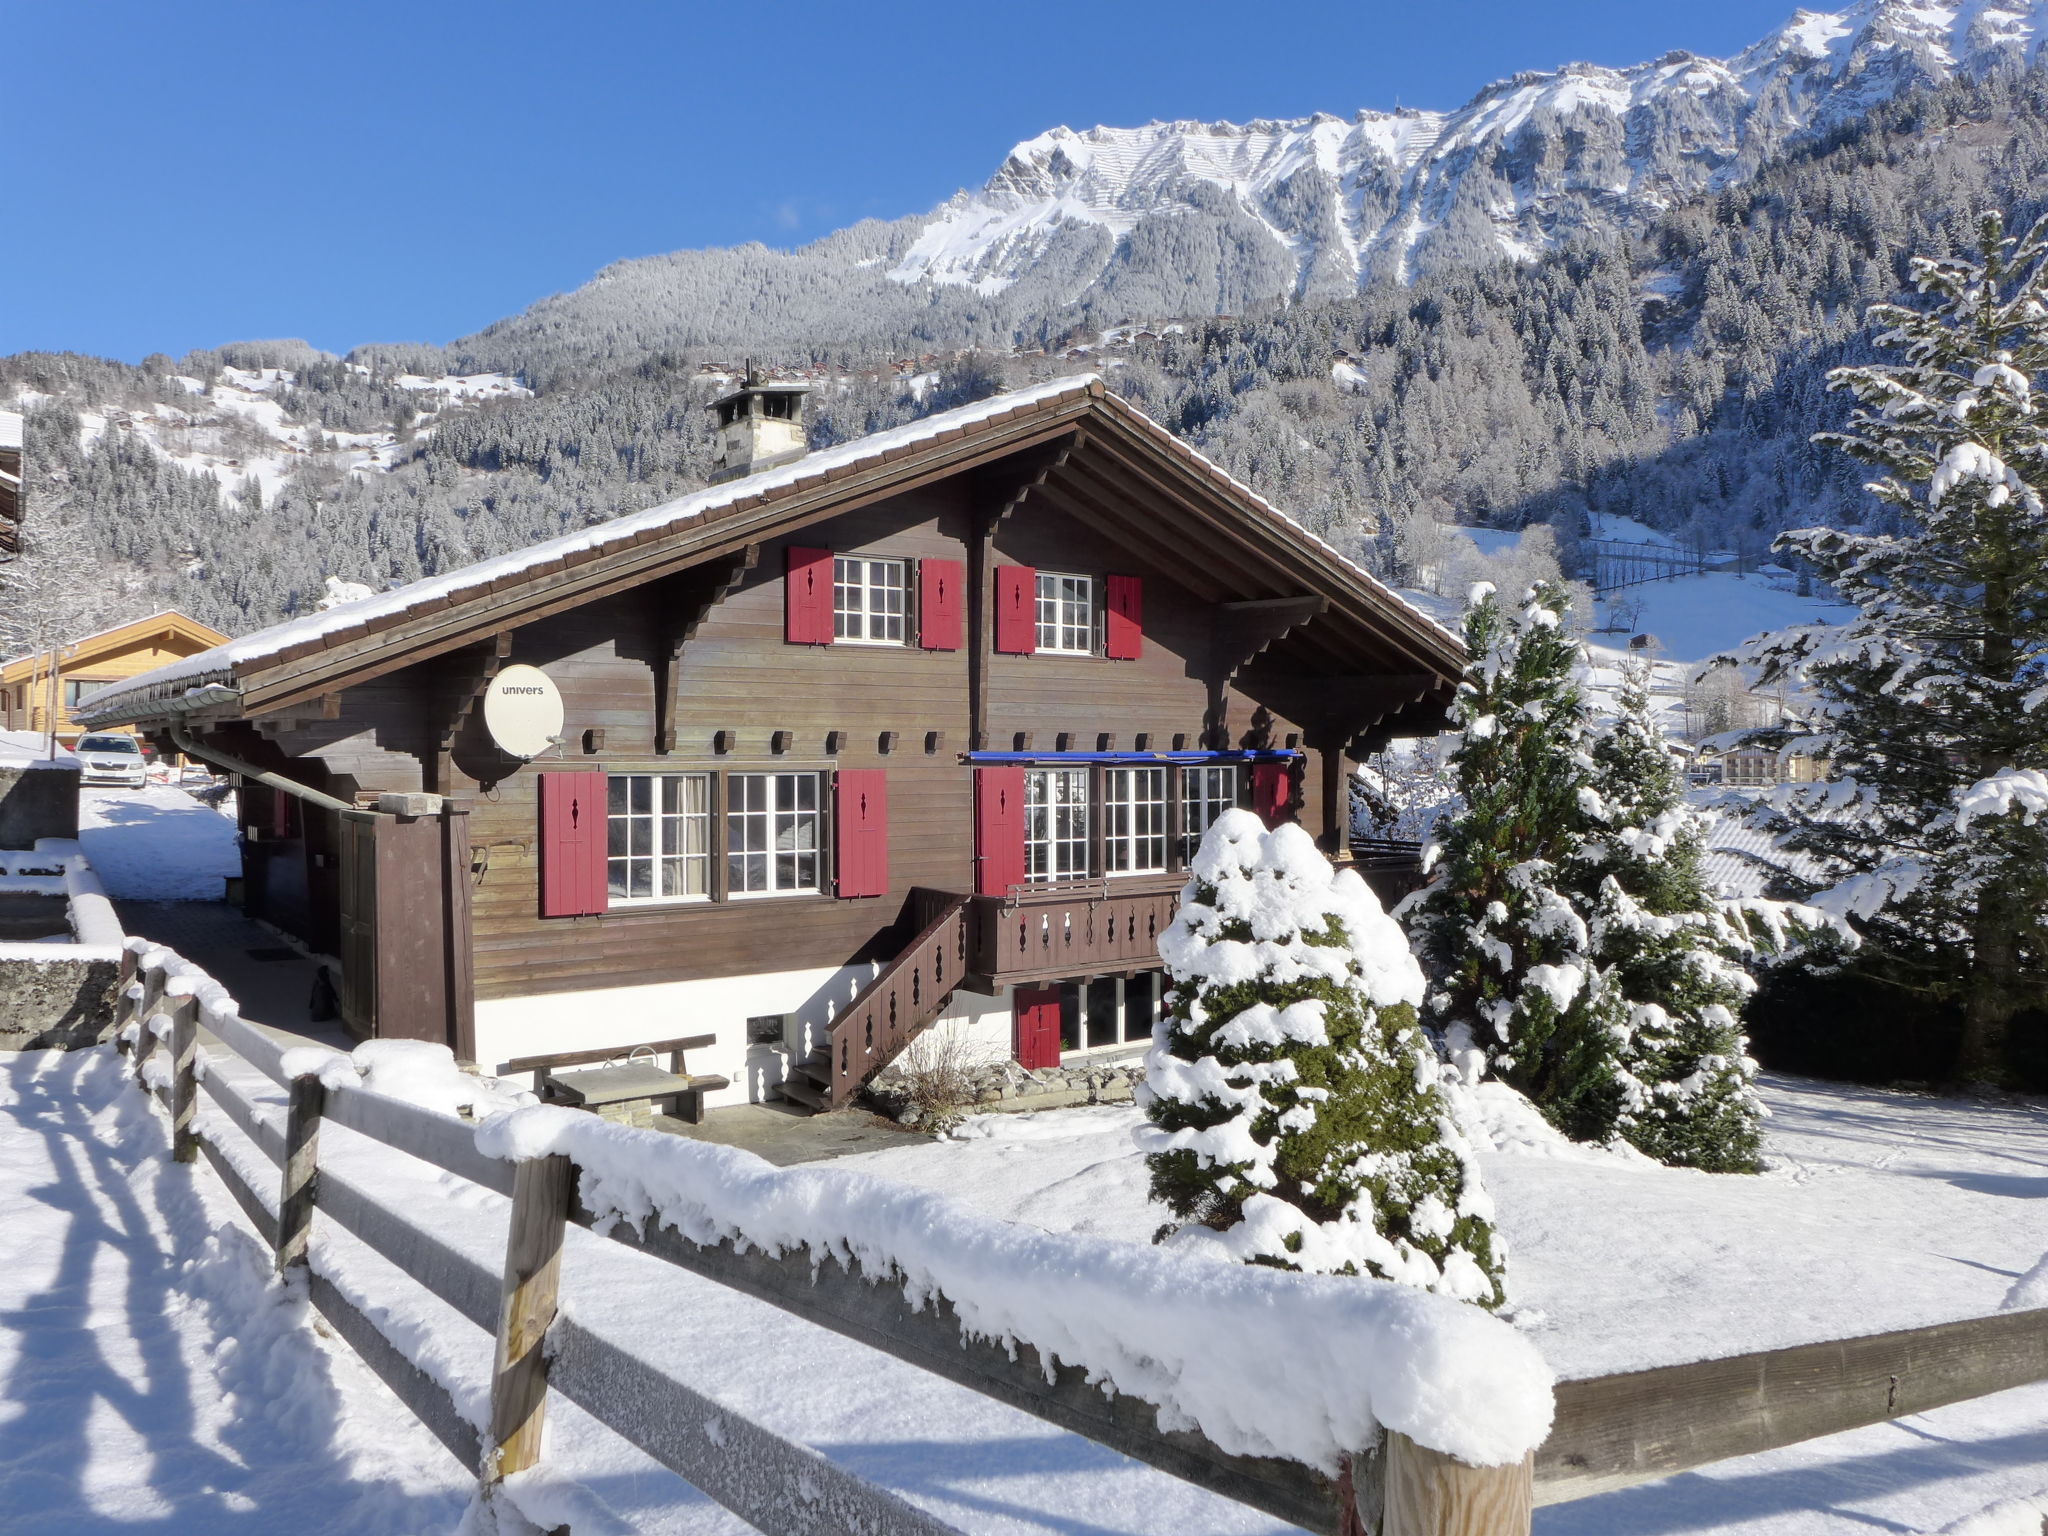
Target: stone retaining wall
{"type": "Point", "coordinates": [1005, 1088]}
{"type": "Point", "coordinates": [37, 800]}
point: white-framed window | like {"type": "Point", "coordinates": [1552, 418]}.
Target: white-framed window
{"type": "Point", "coordinates": [1206, 792]}
{"type": "Point", "coordinates": [658, 837]}
{"type": "Point", "coordinates": [1133, 821]}
{"type": "Point", "coordinates": [1066, 613]}
{"type": "Point", "coordinates": [868, 600]}
{"type": "Point", "coordinates": [1055, 823]}
{"type": "Point", "coordinates": [1105, 1013]}
{"type": "Point", "coordinates": [771, 833]}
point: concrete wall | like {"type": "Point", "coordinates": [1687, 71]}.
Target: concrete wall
{"type": "Point", "coordinates": [35, 802]}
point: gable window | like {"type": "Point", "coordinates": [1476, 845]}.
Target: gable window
{"type": "Point", "coordinates": [1205, 793]}
{"type": "Point", "coordinates": [658, 837]}
{"type": "Point", "coordinates": [868, 600]}
{"type": "Point", "coordinates": [1055, 824]}
{"type": "Point", "coordinates": [771, 833]}
{"type": "Point", "coordinates": [1066, 614]}
{"type": "Point", "coordinates": [1134, 821]}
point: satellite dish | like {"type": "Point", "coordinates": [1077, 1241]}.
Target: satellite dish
{"type": "Point", "coordinates": [523, 712]}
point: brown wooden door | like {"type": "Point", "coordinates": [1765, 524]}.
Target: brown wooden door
{"type": "Point", "coordinates": [358, 922]}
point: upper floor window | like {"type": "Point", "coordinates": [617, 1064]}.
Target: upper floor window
{"type": "Point", "coordinates": [771, 833]}
{"type": "Point", "coordinates": [1134, 821]}
{"type": "Point", "coordinates": [658, 837]}
{"type": "Point", "coordinates": [868, 600]}
{"type": "Point", "coordinates": [1206, 792]}
{"type": "Point", "coordinates": [1055, 824]}
{"type": "Point", "coordinates": [1066, 613]}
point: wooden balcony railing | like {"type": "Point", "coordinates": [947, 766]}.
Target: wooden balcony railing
{"type": "Point", "coordinates": [910, 992]}
{"type": "Point", "coordinates": [1080, 928]}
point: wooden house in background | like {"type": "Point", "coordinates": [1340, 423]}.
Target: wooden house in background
{"type": "Point", "coordinates": [920, 728]}
{"type": "Point", "coordinates": [90, 663]}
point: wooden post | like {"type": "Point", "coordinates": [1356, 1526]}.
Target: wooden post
{"type": "Point", "coordinates": [541, 1191]}
{"type": "Point", "coordinates": [124, 1009]}
{"type": "Point", "coordinates": [184, 1078]}
{"type": "Point", "coordinates": [301, 1169]}
{"type": "Point", "coordinates": [1431, 1494]}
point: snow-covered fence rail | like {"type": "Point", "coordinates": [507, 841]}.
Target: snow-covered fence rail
{"type": "Point", "coordinates": [1162, 1362]}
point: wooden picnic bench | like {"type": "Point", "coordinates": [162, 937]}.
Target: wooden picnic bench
{"type": "Point", "coordinates": [620, 1079]}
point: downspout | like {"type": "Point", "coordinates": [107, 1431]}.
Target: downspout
{"type": "Point", "coordinates": [276, 781]}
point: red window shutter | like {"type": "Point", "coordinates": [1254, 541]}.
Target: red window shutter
{"type": "Point", "coordinates": [1016, 610]}
{"type": "Point", "coordinates": [938, 604]}
{"type": "Point", "coordinates": [572, 844]}
{"type": "Point", "coordinates": [1037, 1026]}
{"type": "Point", "coordinates": [998, 829]}
{"type": "Point", "coordinates": [280, 814]}
{"type": "Point", "coordinates": [1124, 630]}
{"type": "Point", "coordinates": [807, 597]}
{"type": "Point", "coordinates": [1272, 792]}
{"type": "Point", "coordinates": [860, 832]}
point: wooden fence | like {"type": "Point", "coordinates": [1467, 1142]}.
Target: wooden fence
{"type": "Point", "coordinates": [1610, 1432]}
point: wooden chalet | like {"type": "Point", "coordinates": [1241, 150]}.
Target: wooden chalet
{"type": "Point", "coordinates": [32, 694]}
{"type": "Point", "coordinates": [918, 729]}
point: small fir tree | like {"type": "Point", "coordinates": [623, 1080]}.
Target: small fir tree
{"type": "Point", "coordinates": [1505, 947]}
{"type": "Point", "coordinates": [1299, 1119]}
{"type": "Point", "coordinates": [1933, 696]}
{"type": "Point", "coordinates": [1660, 1059]}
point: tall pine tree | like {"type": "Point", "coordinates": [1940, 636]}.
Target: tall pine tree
{"type": "Point", "coordinates": [1934, 694]}
{"type": "Point", "coordinates": [1299, 1118]}
{"type": "Point", "coordinates": [1659, 1058]}
{"type": "Point", "coordinates": [1505, 948]}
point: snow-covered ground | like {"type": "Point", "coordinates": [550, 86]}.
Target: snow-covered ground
{"type": "Point", "coordinates": [157, 843]}
{"type": "Point", "coordinates": [152, 1376]}
{"type": "Point", "coordinates": [1878, 1211]}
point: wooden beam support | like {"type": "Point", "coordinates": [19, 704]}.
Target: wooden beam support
{"type": "Point", "coordinates": [466, 676]}
{"type": "Point", "coordinates": [677, 624]}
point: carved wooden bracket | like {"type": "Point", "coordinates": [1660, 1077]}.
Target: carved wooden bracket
{"type": "Point", "coordinates": [1238, 632]}
{"type": "Point", "coordinates": [707, 587]}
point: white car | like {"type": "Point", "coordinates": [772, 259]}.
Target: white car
{"type": "Point", "coordinates": [111, 759]}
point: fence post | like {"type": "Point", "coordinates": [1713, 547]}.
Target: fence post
{"type": "Point", "coordinates": [308, 1098]}
{"type": "Point", "coordinates": [184, 1078]}
{"type": "Point", "coordinates": [124, 1006]}
{"type": "Point", "coordinates": [1431, 1494]}
{"type": "Point", "coordinates": [541, 1190]}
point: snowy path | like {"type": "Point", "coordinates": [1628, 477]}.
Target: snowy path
{"type": "Point", "coordinates": [150, 1375]}
{"type": "Point", "coordinates": [156, 843]}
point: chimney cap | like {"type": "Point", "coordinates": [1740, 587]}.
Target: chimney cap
{"type": "Point", "coordinates": [751, 383]}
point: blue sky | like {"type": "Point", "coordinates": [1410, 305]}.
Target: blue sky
{"type": "Point", "coordinates": [182, 175]}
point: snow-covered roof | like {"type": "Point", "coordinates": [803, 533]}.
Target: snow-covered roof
{"type": "Point", "coordinates": [1742, 860]}
{"type": "Point", "coordinates": [10, 430]}
{"type": "Point", "coordinates": [156, 689]}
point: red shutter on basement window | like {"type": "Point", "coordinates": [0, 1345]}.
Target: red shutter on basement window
{"type": "Point", "coordinates": [1125, 629]}
{"type": "Point", "coordinates": [807, 597]}
{"type": "Point", "coordinates": [860, 832]}
{"type": "Point", "coordinates": [572, 844]}
{"type": "Point", "coordinates": [1038, 1026]}
{"type": "Point", "coordinates": [1272, 792]}
{"type": "Point", "coordinates": [280, 814]}
{"type": "Point", "coordinates": [998, 829]}
{"type": "Point", "coordinates": [1016, 610]}
{"type": "Point", "coordinates": [938, 604]}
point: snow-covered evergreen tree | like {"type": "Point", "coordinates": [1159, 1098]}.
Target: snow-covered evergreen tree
{"type": "Point", "coordinates": [1659, 1059]}
{"type": "Point", "coordinates": [1506, 949]}
{"type": "Point", "coordinates": [1299, 1121]}
{"type": "Point", "coordinates": [1935, 696]}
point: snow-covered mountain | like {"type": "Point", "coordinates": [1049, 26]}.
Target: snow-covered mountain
{"type": "Point", "coordinates": [1317, 205]}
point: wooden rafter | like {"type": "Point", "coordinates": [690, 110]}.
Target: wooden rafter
{"type": "Point", "coordinates": [710, 586]}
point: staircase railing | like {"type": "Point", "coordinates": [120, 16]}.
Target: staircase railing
{"type": "Point", "coordinates": [892, 1009]}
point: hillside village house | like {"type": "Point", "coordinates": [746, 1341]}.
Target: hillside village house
{"type": "Point", "coordinates": [90, 663]}
{"type": "Point", "coordinates": [919, 728]}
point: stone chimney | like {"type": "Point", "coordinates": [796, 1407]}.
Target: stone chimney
{"type": "Point", "coordinates": [760, 425]}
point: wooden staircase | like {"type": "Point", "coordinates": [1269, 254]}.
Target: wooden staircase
{"type": "Point", "coordinates": [891, 1011]}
